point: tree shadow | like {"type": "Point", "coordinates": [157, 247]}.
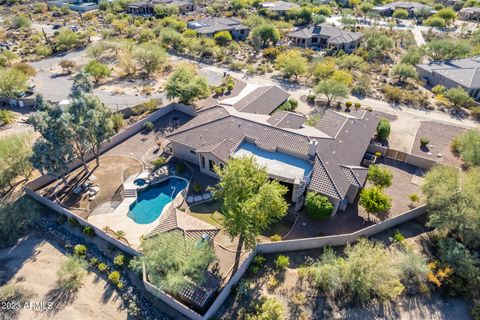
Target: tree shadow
{"type": "Point", "coordinates": [59, 297]}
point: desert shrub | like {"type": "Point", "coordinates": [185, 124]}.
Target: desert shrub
{"type": "Point", "coordinates": [118, 121]}
{"type": "Point", "coordinates": [20, 22]}
{"type": "Point", "coordinates": [380, 177]}
{"type": "Point", "coordinates": [318, 206]}
{"type": "Point", "coordinates": [119, 260]}
{"type": "Point", "coordinates": [102, 267]}
{"type": "Point", "coordinates": [43, 51]}
{"type": "Point", "coordinates": [197, 187]}
{"type": "Point", "coordinates": [475, 112]}
{"type": "Point", "coordinates": [383, 129]}
{"type": "Point", "coordinates": [80, 250]}
{"type": "Point", "coordinates": [424, 141]}
{"type": "Point", "coordinates": [93, 261]}
{"type": "Point", "coordinates": [269, 309]}
{"type": "Point", "coordinates": [72, 272]}
{"type": "Point", "coordinates": [438, 89]}
{"type": "Point", "coordinates": [282, 262]}
{"type": "Point", "coordinates": [149, 126]}
{"type": "Point", "coordinates": [398, 236]}
{"type": "Point", "coordinates": [88, 230]}
{"type": "Point", "coordinates": [180, 167]}
{"type": "Point", "coordinates": [160, 161]}
{"type": "Point", "coordinates": [275, 238]}
{"type": "Point", "coordinates": [114, 277]}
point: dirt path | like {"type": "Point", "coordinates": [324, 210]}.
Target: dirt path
{"type": "Point", "coordinates": [33, 263]}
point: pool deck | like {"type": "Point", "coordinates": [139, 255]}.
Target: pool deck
{"type": "Point", "coordinates": [118, 219]}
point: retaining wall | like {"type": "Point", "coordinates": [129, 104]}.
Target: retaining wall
{"type": "Point", "coordinates": [339, 240]}
{"type": "Point", "coordinates": [102, 234]}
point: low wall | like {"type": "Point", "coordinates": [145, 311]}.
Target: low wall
{"type": "Point", "coordinates": [115, 140]}
{"type": "Point", "coordinates": [18, 102]}
{"type": "Point", "coordinates": [408, 158]}
{"type": "Point", "coordinates": [339, 240]}
{"type": "Point", "coordinates": [58, 208]}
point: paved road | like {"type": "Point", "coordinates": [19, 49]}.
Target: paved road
{"type": "Point", "coordinates": [58, 88]}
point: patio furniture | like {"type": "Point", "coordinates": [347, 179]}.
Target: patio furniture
{"type": "Point", "coordinates": [206, 196]}
{"type": "Point", "coordinates": [190, 199]}
{"type": "Point", "coordinates": [197, 198]}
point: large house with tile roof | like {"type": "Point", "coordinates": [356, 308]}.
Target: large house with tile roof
{"type": "Point", "coordinates": [463, 73]}
{"type": "Point", "coordinates": [209, 26]}
{"type": "Point", "coordinates": [324, 36]}
{"type": "Point", "coordinates": [326, 158]}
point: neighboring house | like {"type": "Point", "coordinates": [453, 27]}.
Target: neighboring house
{"type": "Point", "coordinates": [147, 7]}
{"type": "Point", "coordinates": [325, 158]}
{"type": "Point", "coordinates": [78, 6]}
{"type": "Point", "coordinates": [469, 14]}
{"type": "Point", "coordinates": [464, 73]}
{"type": "Point", "coordinates": [323, 36]}
{"type": "Point", "coordinates": [262, 100]}
{"type": "Point", "coordinates": [279, 7]}
{"type": "Point", "coordinates": [389, 8]}
{"type": "Point", "coordinates": [209, 26]}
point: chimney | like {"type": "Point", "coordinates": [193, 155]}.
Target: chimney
{"type": "Point", "coordinates": [312, 147]}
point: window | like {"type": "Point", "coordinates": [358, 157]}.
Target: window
{"type": "Point", "coordinates": [242, 31]}
{"type": "Point", "coordinates": [211, 165]}
{"type": "Point", "coordinates": [202, 161]}
{"type": "Point", "coordinates": [314, 40]}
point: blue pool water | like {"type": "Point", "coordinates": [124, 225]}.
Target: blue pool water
{"type": "Point", "coordinates": [140, 182]}
{"type": "Point", "coordinates": [151, 201]}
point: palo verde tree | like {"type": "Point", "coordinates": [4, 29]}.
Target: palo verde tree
{"type": "Point", "coordinates": [186, 84]}
{"type": "Point", "coordinates": [468, 146]}
{"type": "Point", "coordinates": [251, 202]}
{"type": "Point", "coordinates": [292, 63]}
{"type": "Point", "coordinates": [453, 200]}
{"type": "Point", "coordinates": [331, 89]}
{"type": "Point", "coordinates": [375, 201]}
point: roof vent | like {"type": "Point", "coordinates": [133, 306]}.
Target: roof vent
{"type": "Point", "coordinates": [312, 147]}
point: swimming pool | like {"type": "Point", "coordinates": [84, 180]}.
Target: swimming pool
{"type": "Point", "coordinates": [151, 201]}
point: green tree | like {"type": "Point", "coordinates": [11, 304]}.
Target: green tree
{"type": "Point", "coordinates": [383, 128]}
{"type": "Point", "coordinates": [380, 177]}
{"type": "Point", "coordinates": [12, 82]}
{"type": "Point", "coordinates": [443, 49]}
{"type": "Point", "coordinates": [331, 89]}
{"type": "Point", "coordinates": [16, 218]}
{"type": "Point", "coordinates": [186, 85]}
{"type": "Point", "coordinates": [400, 14]}
{"type": "Point", "coordinates": [81, 84]}
{"type": "Point", "coordinates": [292, 63]}
{"type": "Point", "coordinates": [91, 121]}
{"type": "Point", "coordinates": [264, 35]}
{"type": "Point", "coordinates": [325, 68]}
{"type": "Point", "coordinates": [404, 71]}
{"type": "Point", "coordinates": [250, 200]}
{"type": "Point", "coordinates": [458, 97]}
{"type": "Point", "coordinates": [453, 202]}
{"type": "Point", "coordinates": [318, 206]}
{"type": "Point", "coordinates": [150, 56]}
{"type": "Point", "coordinates": [468, 145]}
{"type": "Point", "coordinates": [66, 39]}
{"type": "Point", "coordinates": [377, 44]}
{"type": "Point", "coordinates": [15, 153]}
{"type": "Point", "coordinates": [53, 150]}
{"type": "Point", "coordinates": [97, 70]}
{"type": "Point", "coordinates": [375, 201]}
{"type": "Point", "coordinates": [173, 261]}
{"type": "Point", "coordinates": [222, 38]}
